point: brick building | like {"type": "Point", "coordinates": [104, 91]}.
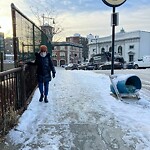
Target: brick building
{"type": "Point", "coordinates": [66, 52]}
{"type": "Point", "coordinates": [76, 38]}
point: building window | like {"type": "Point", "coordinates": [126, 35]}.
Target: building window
{"type": "Point", "coordinates": [102, 50]}
{"type": "Point", "coordinates": [54, 54]}
{"type": "Point", "coordinates": [55, 48]}
{"type": "Point", "coordinates": [62, 47]}
{"type": "Point", "coordinates": [110, 49]}
{"type": "Point", "coordinates": [131, 47]}
{"type": "Point", "coordinates": [131, 58]}
{"type": "Point", "coordinates": [120, 50]}
{"type": "Point", "coordinates": [62, 54]}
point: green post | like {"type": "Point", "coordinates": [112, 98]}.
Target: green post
{"type": "Point", "coordinates": [2, 61]}
{"type": "Point", "coordinates": [15, 41]}
{"type": "Point", "coordinates": [33, 38]}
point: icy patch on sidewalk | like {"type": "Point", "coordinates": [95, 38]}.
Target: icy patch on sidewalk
{"type": "Point", "coordinates": [79, 97]}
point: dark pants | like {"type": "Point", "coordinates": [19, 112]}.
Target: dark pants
{"type": "Point", "coordinates": [43, 87]}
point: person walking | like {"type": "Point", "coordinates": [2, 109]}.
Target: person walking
{"type": "Point", "coordinates": [44, 68]}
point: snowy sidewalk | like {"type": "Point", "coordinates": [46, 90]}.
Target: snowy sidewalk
{"type": "Point", "coordinates": [81, 115]}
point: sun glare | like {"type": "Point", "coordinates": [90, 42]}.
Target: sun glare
{"type": "Point", "coordinates": [6, 26]}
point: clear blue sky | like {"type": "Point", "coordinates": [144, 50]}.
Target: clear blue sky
{"type": "Point", "coordinates": [80, 16]}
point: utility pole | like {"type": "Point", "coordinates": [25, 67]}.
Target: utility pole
{"type": "Point", "coordinates": [43, 19]}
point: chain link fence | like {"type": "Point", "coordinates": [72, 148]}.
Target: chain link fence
{"type": "Point", "coordinates": [27, 37]}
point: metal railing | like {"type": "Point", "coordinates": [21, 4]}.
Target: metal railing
{"type": "Point", "coordinates": [18, 84]}
{"type": "Point", "coordinates": [16, 87]}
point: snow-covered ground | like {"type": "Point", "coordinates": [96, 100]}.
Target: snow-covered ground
{"type": "Point", "coordinates": [82, 115]}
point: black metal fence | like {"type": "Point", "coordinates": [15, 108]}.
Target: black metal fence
{"type": "Point", "coordinates": [18, 84]}
{"type": "Point", "coordinates": [16, 87]}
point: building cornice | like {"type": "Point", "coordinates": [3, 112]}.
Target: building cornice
{"type": "Point", "coordinates": [67, 44]}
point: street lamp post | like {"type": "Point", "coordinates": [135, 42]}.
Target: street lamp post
{"type": "Point", "coordinates": [47, 18]}
{"type": "Point", "coordinates": [113, 4]}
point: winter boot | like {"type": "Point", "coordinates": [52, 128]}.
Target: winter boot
{"type": "Point", "coordinates": [41, 98]}
{"type": "Point", "coordinates": [45, 99]}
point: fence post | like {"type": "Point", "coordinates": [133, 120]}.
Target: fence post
{"type": "Point", "coordinates": [2, 61]}
{"type": "Point", "coordinates": [15, 39]}
{"type": "Point", "coordinates": [22, 86]}
{"type": "Point", "coordinates": [33, 38]}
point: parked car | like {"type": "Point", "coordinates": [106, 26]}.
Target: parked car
{"type": "Point", "coordinates": [107, 66]}
{"type": "Point", "coordinates": [72, 67]}
{"type": "Point", "coordinates": [65, 65]}
{"type": "Point", "coordinates": [83, 66]}
{"type": "Point", "coordinates": [103, 59]}
{"type": "Point", "coordinates": [129, 65]}
{"type": "Point", "coordinates": [8, 61]}
{"type": "Point", "coordinates": [91, 66]}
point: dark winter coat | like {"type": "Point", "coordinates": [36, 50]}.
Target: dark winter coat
{"type": "Point", "coordinates": [44, 67]}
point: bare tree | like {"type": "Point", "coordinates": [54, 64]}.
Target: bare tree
{"type": "Point", "coordinates": [47, 15]}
